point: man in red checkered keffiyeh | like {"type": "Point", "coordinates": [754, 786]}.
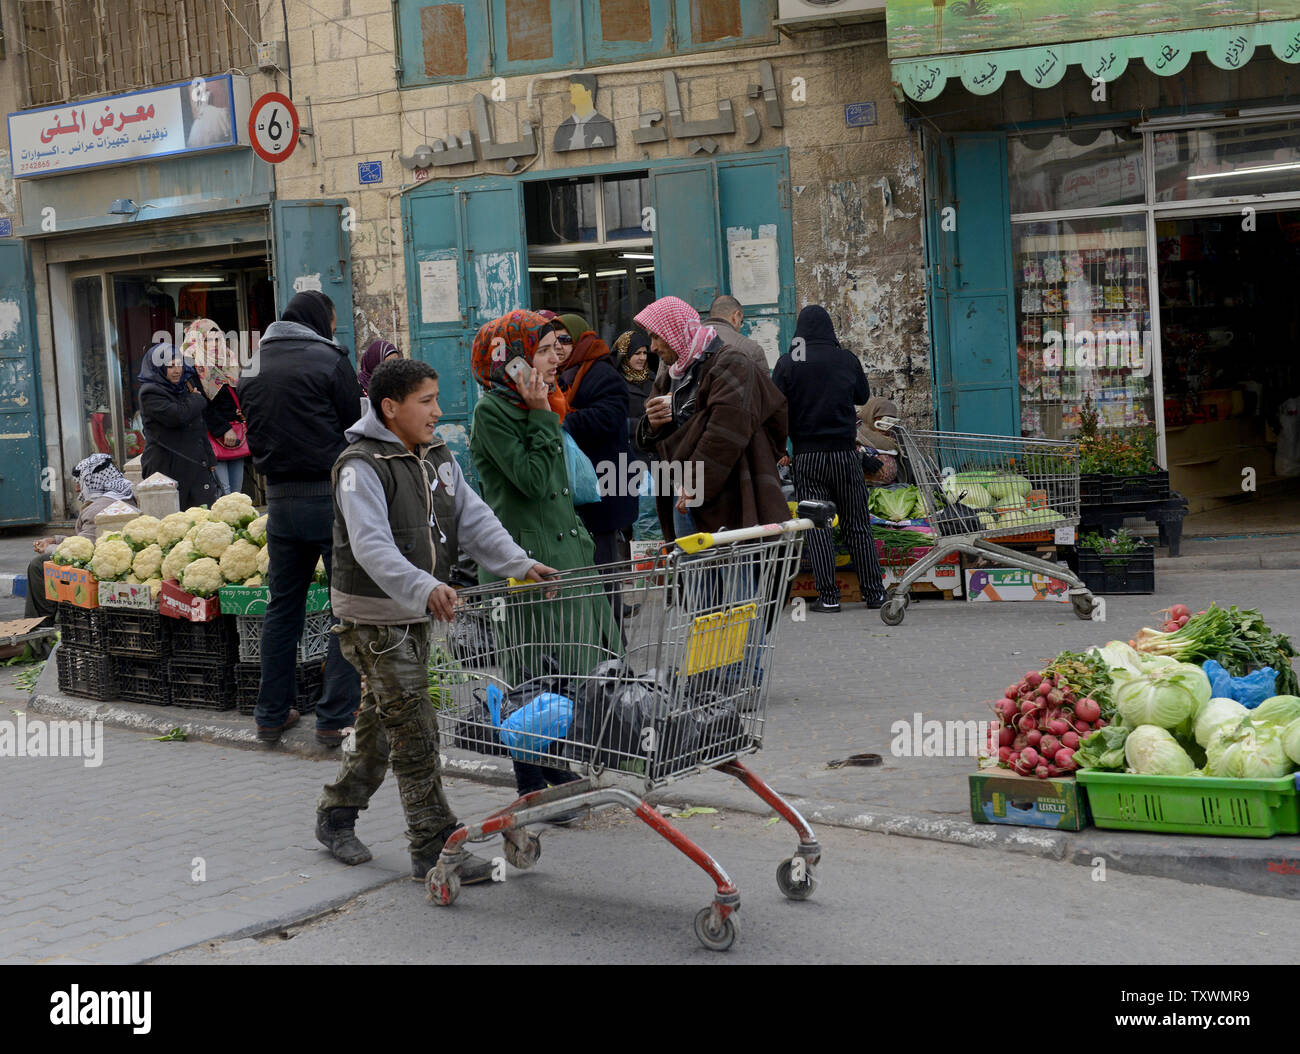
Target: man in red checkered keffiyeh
{"type": "Point", "coordinates": [676, 324]}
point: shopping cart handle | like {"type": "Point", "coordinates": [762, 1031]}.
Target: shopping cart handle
{"type": "Point", "coordinates": [822, 513]}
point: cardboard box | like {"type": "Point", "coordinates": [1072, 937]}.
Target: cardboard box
{"type": "Point", "coordinates": [71, 585]}
{"type": "Point", "coordinates": [1013, 583]}
{"type": "Point", "coordinates": [126, 595]}
{"type": "Point", "coordinates": [1000, 796]}
{"type": "Point", "coordinates": [850, 590]}
{"type": "Point", "coordinates": [176, 603]}
{"type": "Point", "coordinates": [252, 600]}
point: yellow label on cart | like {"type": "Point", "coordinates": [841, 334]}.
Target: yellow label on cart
{"type": "Point", "coordinates": [719, 639]}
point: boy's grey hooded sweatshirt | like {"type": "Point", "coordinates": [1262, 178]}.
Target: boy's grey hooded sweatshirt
{"type": "Point", "coordinates": [365, 511]}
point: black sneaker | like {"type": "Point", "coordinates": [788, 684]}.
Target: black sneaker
{"type": "Point", "coordinates": [821, 605]}
{"type": "Point", "coordinates": [335, 831]}
{"type": "Point", "coordinates": [878, 602]}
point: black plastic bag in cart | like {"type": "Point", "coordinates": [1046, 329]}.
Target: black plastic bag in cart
{"type": "Point", "coordinates": [471, 641]}
{"type": "Point", "coordinates": [959, 519]}
{"type": "Point", "coordinates": [712, 728]}
{"type": "Point", "coordinates": [617, 717]}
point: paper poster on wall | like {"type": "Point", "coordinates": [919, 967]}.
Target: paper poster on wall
{"type": "Point", "coordinates": [496, 277]}
{"type": "Point", "coordinates": [754, 274]}
{"type": "Point", "coordinates": [439, 292]}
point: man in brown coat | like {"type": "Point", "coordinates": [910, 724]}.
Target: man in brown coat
{"type": "Point", "coordinates": [716, 416]}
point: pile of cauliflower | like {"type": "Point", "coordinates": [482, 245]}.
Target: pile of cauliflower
{"type": "Point", "coordinates": [202, 549]}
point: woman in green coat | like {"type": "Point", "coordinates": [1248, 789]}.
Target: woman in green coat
{"type": "Point", "coordinates": [518, 451]}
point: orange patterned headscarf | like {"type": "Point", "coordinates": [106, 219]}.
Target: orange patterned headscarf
{"type": "Point", "coordinates": [516, 334]}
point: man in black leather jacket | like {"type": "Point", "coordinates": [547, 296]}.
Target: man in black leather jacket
{"type": "Point", "coordinates": [299, 396]}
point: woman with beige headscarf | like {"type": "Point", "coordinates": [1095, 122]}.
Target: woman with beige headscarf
{"type": "Point", "coordinates": [879, 449]}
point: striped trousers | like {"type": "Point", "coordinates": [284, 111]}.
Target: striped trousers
{"type": "Point", "coordinates": [837, 476]}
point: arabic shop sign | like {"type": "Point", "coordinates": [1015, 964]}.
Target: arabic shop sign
{"type": "Point", "coordinates": [158, 122]}
{"type": "Point", "coordinates": [935, 27]}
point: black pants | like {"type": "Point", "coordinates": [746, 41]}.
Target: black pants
{"type": "Point", "coordinates": [36, 604]}
{"type": "Point", "coordinates": [837, 476]}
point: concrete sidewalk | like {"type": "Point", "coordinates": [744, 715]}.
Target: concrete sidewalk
{"type": "Point", "coordinates": [839, 684]}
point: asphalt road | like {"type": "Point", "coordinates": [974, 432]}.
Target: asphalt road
{"type": "Point", "coordinates": [610, 891]}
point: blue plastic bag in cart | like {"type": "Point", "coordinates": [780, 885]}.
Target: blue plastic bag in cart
{"type": "Point", "coordinates": [535, 728]}
{"type": "Point", "coordinates": [1249, 690]}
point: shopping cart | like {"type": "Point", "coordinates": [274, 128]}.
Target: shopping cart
{"type": "Point", "coordinates": [977, 488]}
{"type": "Point", "coordinates": [632, 676]}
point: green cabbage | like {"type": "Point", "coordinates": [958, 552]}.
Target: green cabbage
{"type": "Point", "coordinates": [970, 493]}
{"type": "Point", "coordinates": [1152, 751]}
{"type": "Point", "coordinates": [1280, 710]}
{"type": "Point", "coordinates": [1007, 486]}
{"type": "Point", "coordinates": [1214, 715]}
{"type": "Point", "coordinates": [1122, 659]}
{"type": "Point", "coordinates": [1165, 696]}
{"type": "Point", "coordinates": [1291, 740]}
{"type": "Point", "coordinates": [894, 503]}
{"type": "Point", "coordinates": [1247, 751]}
{"type": "Point", "coordinates": [1104, 749]}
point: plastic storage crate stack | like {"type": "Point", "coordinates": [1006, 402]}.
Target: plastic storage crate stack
{"type": "Point", "coordinates": [82, 656]}
{"type": "Point", "coordinates": [309, 661]}
{"type": "Point", "coordinates": [139, 642]}
{"type": "Point", "coordinates": [200, 670]}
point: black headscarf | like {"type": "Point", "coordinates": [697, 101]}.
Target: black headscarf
{"type": "Point", "coordinates": [311, 309]}
{"type": "Point", "coordinates": [153, 369]}
{"type": "Point", "coordinates": [815, 328]}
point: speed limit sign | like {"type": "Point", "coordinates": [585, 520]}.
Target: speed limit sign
{"type": "Point", "coordinates": [273, 127]}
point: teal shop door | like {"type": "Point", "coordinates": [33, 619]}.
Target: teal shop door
{"type": "Point", "coordinates": [724, 227]}
{"type": "Point", "coordinates": [466, 259]}
{"type": "Point", "coordinates": [22, 443]}
{"type": "Point", "coordinates": [972, 308]}
{"type": "Point", "coordinates": [312, 252]}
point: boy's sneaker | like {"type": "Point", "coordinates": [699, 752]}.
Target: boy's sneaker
{"type": "Point", "coordinates": [473, 869]}
{"type": "Point", "coordinates": [335, 830]}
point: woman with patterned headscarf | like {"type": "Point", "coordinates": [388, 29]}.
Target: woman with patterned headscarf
{"type": "Point", "coordinates": [205, 345]}
{"type": "Point", "coordinates": [518, 450]}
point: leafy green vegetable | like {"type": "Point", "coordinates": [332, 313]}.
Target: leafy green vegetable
{"type": "Point", "coordinates": [894, 503]}
{"type": "Point", "coordinates": [1086, 675]}
{"type": "Point", "coordinates": [1238, 640]}
{"type": "Point", "coordinates": [1166, 697]}
{"type": "Point", "coordinates": [1281, 710]}
{"type": "Point", "coordinates": [1247, 751]}
{"type": "Point", "coordinates": [1214, 715]}
{"type": "Point", "coordinates": [1104, 749]}
{"type": "Point", "coordinates": [1152, 751]}
{"type": "Point", "coordinates": [1291, 741]}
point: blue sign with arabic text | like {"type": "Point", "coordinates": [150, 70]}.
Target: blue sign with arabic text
{"type": "Point", "coordinates": [859, 114]}
{"type": "Point", "coordinates": [370, 171]}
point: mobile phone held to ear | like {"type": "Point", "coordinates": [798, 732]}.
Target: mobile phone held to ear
{"type": "Point", "coordinates": [517, 369]}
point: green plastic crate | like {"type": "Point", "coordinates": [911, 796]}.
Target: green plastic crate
{"type": "Point", "coordinates": [1193, 804]}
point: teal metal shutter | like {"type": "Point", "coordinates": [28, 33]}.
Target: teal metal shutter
{"type": "Point", "coordinates": [688, 252]}
{"type": "Point", "coordinates": [971, 292]}
{"type": "Point", "coordinates": [754, 203]}
{"type": "Point", "coordinates": [22, 443]}
{"type": "Point", "coordinates": [466, 262]}
{"type": "Point", "coordinates": [312, 252]}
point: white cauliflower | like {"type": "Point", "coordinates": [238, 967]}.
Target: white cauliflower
{"type": "Point", "coordinates": [256, 531]}
{"type": "Point", "coordinates": [177, 557]}
{"type": "Point", "coordinates": [131, 580]}
{"type": "Point", "coordinates": [147, 562]}
{"type": "Point", "coordinates": [155, 587]}
{"type": "Point", "coordinates": [213, 538]}
{"type": "Point", "coordinates": [112, 559]}
{"type": "Point", "coordinates": [202, 577]}
{"type": "Point", "coordinates": [198, 513]}
{"type": "Point", "coordinates": [256, 580]}
{"type": "Point", "coordinates": [172, 528]}
{"type": "Point", "coordinates": [239, 561]}
{"type": "Point", "coordinates": [264, 562]}
{"type": "Point", "coordinates": [235, 509]}
{"type": "Point", "coordinates": [74, 551]}
{"type": "Point", "coordinates": [142, 531]}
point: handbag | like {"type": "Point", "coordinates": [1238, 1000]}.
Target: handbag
{"type": "Point", "coordinates": [240, 450]}
{"type": "Point", "coordinates": [582, 473]}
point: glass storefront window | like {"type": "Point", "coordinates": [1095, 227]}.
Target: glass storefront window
{"type": "Point", "coordinates": [1083, 323]}
{"type": "Point", "coordinates": [626, 199]}
{"type": "Point", "coordinates": [561, 212]}
{"type": "Point", "coordinates": [1222, 162]}
{"type": "Point", "coordinates": [1081, 169]}
{"type": "Point", "coordinates": [92, 366]}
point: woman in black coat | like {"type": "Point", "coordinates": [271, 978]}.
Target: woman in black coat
{"type": "Point", "coordinates": [597, 421]}
{"type": "Point", "coordinates": [172, 407]}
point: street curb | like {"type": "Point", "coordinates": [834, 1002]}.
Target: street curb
{"type": "Point", "coordinates": [13, 585]}
{"type": "Point", "coordinates": [1244, 865]}
{"type": "Point", "coordinates": [1283, 560]}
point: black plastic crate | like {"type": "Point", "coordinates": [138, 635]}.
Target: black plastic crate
{"type": "Point", "coordinates": [144, 634]}
{"type": "Point", "coordinates": [84, 672]}
{"type": "Point", "coordinates": [201, 684]}
{"type": "Point", "coordinates": [1090, 488]}
{"type": "Point", "coordinates": [1109, 574]}
{"type": "Point", "coordinates": [248, 681]}
{"type": "Point", "coordinates": [83, 627]}
{"type": "Point", "coordinates": [215, 640]}
{"type": "Point", "coordinates": [1135, 490]}
{"type": "Point", "coordinates": [141, 680]}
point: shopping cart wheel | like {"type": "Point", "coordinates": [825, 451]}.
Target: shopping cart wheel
{"type": "Point", "coordinates": [892, 591]}
{"type": "Point", "coordinates": [891, 614]}
{"type": "Point", "coordinates": [716, 936]}
{"type": "Point", "coordinates": [523, 856]}
{"type": "Point", "coordinates": [443, 889]}
{"type": "Point", "coordinates": [1083, 604]}
{"type": "Point", "coordinates": [791, 887]}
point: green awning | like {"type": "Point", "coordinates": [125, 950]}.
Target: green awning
{"type": "Point", "coordinates": [1165, 54]}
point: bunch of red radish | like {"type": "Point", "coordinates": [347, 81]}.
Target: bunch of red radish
{"type": "Point", "coordinates": [1042, 723]}
{"type": "Point", "coordinates": [1178, 616]}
